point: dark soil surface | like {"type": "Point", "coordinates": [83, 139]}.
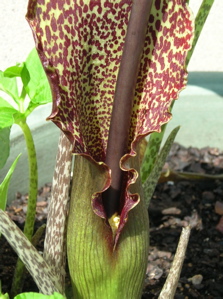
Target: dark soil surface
{"type": "Point", "coordinates": [174, 205]}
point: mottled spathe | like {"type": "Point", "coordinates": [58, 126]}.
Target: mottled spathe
{"type": "Point", "coordinates": [80, 44]}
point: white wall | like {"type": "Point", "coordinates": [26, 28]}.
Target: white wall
{"type": "Point", "coordinates": [208, 52]}
{"type": "Point", "coordinates": [16, 38]}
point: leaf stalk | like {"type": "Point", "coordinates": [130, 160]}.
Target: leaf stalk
{"type": "Point", "coordinates": [31, 206]}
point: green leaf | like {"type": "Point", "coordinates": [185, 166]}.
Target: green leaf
{"type": "Point", "coordinates": [9, 86]}
{"type": "Point", "coordinates": [7, 116]}
{"type": "Point", "coordinates": [14, 71]}
{"type": "Point", "coordinates": [19, 70]}
{"type": "Point", "coordinates": [151, 153]}
{"type": "Point", "coordinates": [5, 184]}
{"type": "Point", "coordinates": [4, 145]}
{"type": "Point", "coordinates": [4, 103]}
{"type": "Point", "coordinates": [25, 76]}
{"type": "Point", "coordinates": [39, 296]}
{"type": "Point", "coordinates": [4, 296]}
{"type": "Point", "coordinates": [151, 182]}
{"type": "Point", "coordinates": [38, 87]}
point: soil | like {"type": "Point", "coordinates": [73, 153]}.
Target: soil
{"type": "Point", "coordinates": [173, 205]}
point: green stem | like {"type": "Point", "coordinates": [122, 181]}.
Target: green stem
{"type": "Point", "coordinates": [21, 100]}
{"type": "Point", "coordinates": [33, 180]}
{"type": "Point", "coordinates": [31, 208]}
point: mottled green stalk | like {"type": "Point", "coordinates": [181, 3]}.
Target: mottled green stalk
{"type": "Point", "coordinates": [97, 271]}
{"type": "Point", "coordinates": [151, 182]}
{"type": "Point", "coordinates": [151, 153]}
{"type": "Point", "coordinates": [45, 277]}
{"type": "Point", "coordinates": [31, 207]}
{"type": "Point", "coordinates": [33, 180]}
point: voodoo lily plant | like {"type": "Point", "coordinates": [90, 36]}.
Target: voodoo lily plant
{"type": "Point", "coordinates": [114, 68]}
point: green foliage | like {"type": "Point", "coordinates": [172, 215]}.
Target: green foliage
{"type": "Point", "coordinates": [3, 296]}
{"type": "Point", "coordinates": [34, 80]}
{"type": "Point", "coordinates": [5, 146]}
{"type": "Point", "coordinates": [35, 86]}
{"type": "Point", "coordinates": [9, 86]}
{"type": "Point", "coordinates": [5, 184]}
{"type": "Point", "coordinates": [151, 182]}
{"type": "Point", "coordinates": [16, 109]}
{"type": "Point", "coordinates": [7, 114]}
{"type": "Point", "coordinates": [152, 150]}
